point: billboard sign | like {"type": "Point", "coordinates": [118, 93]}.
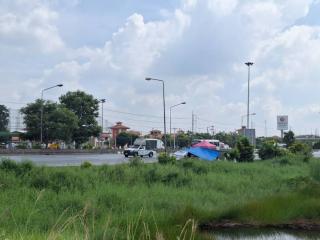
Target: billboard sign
{"type": "Point", "coordinates": [282, 122]}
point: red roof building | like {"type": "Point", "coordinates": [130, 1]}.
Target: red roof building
{"type": "Point", "coordinates": [118, 128]}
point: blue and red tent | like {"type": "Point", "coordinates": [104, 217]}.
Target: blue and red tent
{"type": "Point", "coordinates": [204, 150]}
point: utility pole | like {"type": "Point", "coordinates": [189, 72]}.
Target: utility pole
{"type": "Point", "coordinates": [248, 101]}
{"type": "Point", "coordinates": [265, 129]}
{"type": "Point", "coordinates": [192, 128]}
{"type": "Point", "coordinates": [174, 138]}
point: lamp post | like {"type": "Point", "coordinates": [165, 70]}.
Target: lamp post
{"type": "Point", "coordinates": [249, 64]}
{"type": "Point", "coordinates": [182, 103]}
{"type": "Point", "coordinates": [251, 114]}
{"type": "Point", "coordinates": [164, 110]}
{"type": "Point", "coordinates": [41, 110]}
{"type": "Point", "coordinates": [102, 101]}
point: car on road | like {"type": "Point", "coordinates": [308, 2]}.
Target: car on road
{"type": "Point", "coordinates": [144, 147]}
{"type": "Point", "coordinates": [138, 150]}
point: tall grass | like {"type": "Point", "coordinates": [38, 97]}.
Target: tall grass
{"type": "Point", "coordinates": [140, 201]}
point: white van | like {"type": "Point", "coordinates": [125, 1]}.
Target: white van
{"type": "Point", "coordinates": [144, 147]}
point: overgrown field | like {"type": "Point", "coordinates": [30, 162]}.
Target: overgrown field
{"type": "Point", "coordinates": [152, 201]}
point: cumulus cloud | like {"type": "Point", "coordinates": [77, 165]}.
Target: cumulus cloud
{"type": "Point", "coordinates": [29, 25]}
{"type": "Point", "coordinates": [199, 49]}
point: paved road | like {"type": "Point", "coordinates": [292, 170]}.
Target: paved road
{"type": "Point", "coordinates": [74, 159]}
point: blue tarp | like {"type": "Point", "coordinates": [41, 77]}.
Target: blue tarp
{"type": "Point", "coordinates": [204, 153]}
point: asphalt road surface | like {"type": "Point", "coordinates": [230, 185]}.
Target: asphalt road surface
{"type": "Point", "coordinates": [74, 159]}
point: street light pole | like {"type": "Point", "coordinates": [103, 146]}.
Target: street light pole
{"type": "Point", "coordinates": [248, 102]}
{"type": "Point", "coordinates": [164, 110]}
{"type": "Point", "coordinates": [182, 103]}
{"type": "Point", "coordinates": [41, 109]}
{"type": "Point", "coordinates": [251, 114]}
{"type": "Point", "coordinates": [102, 102]}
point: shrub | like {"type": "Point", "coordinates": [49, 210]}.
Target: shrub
{"type": "Point", "coordinates": [232, 155]}
{"type": "Point", "coordinates": [9, 165]}
{"type": "Point", "coordinates": [135, 162]}
{"type": "Point", "coordinates": [22, 145]}
{"type": "Point", "coordinates": [268, 150]}
{"type": "Point", "coordinates": [166, 159]}
{"type": "Point", "coordinates": [36, 146]}
{"type": "Point", "coordinates": [301, 149]}
{"type": "Point", "coordinates": [87, 146]}
{"type": "Point", "coordinates": [195, 166]}
{"type": "Point", "coordinates": [152, 176]}
{"type": "Point", "coordinates": [315, 171]}
{"type": "Point", "coordinates": [86, 164]}
{"type": "Point", "coordinates": [245, 150]}
{"type": "Point", "coordinates": [316, 145]}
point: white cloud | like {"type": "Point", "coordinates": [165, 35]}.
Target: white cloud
{"type": "Point", "coordinates": [29, 26]}
{"type": "Point", "coordinates": [199, 49]}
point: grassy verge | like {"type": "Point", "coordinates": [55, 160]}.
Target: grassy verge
{"type": "Point", "coordinates": [151, 201]}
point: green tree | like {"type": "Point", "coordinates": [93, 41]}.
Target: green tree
{"type": "Point", "coordinates": [268, 150]}
{"type": "Point", "coordinates": [32, 118]}
{"type": "Point", "coordinates": [59, 123]}
{"type": "Point", "coordinates": [4, 118]}
{"type": "Point", "coordinates": [229, 138]}
{"type": "Point", "coordinates": [126, 138]}
{"type": "Point", "coordinates": [301, 149]}
{"type": "Point", "coordinates": [289, 138]}
{"type": "Point", "coordinates": [86, 108]}
{"type": "Point", "coordinates": [62, 124]}
{"type": "Point", "coordinates": [245, 150]}
{"type": "Point", "coordinates": [183, 140]}
{"type": "Point", "coordinates": [316, 145]}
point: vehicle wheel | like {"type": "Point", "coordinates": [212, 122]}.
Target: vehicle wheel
{"type": "Point", "coordinates": [126, 155]}
{"type": "Point", "coordinates": [150, 154]}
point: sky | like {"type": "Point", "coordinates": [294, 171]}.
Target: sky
{"type": "Point", "coordinates": [198, 47]}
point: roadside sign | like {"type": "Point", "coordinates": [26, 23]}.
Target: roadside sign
{"type": "Point", "coordinates": [282, 122]}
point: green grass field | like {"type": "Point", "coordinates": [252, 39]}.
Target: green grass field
{"type": "Point", "coordinates": [152, 201]}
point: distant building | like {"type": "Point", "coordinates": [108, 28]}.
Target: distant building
{"type": "Point", "coordinates": [117, 129]}
{"type": "Point", "coordinates": [249, 133]}
{"type": "Point", "coordinates": [137, 133]}
{"type": "Point", "coordinates": [16, 121]}
{"type": "Point", "coordinates": [155, 134]}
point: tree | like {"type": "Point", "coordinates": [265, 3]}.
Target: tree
{"type": "Point", "coordinates": [301, 149]}
{"type": "Point", "coordinates": [183, 140]}
{"type": "Point", "coordinates": [289, 138]}
{"type": "Point", "coordinates": [229, 138]}
{"type": "Point", "coordinates": [126, 138]}
{"type": "Point", "coordinates": [32, 118]}
{"type": "Point", "coordinates": [268, 150]}
{"type": "Point", "coordinates": [86, 108]}
{"type": "Point", "coordinates": [4, 118]}
{"type": "Point", "coordinates": [245, 150]}
{"type": "Point", "coordinates": [62, 124]}
{"type": "Point", "coordinates": [59, 123]}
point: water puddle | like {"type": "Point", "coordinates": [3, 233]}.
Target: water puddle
{"type": "Point", "coordinates": [267, 234]}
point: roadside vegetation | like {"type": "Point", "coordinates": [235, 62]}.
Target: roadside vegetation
{"type": "Point", "coordinates": [165, 200]}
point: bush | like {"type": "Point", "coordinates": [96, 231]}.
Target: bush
{"type": "Point", "coordinates": [233, 154]}
{"type": "Point", "coordinates": [18, 168]}
{"type": "Point", "coordinates": [315, 171]}
{"type": "Point", "coordinates": [269, 150]}
{"type": "Point", "coordinates": [195, 166]}
{"type": "Point", "coordinates": [36, 146]}
{"type": "Point", "coordinates": [245, 150]}
{"type": "Point", "coordinates": [135, 162]}
{"type": "Point", "coordinates": [87, 146]}
{"type": "Point", "coordinates": [86, 164]}
{"type": "Point", "coordinates": [22, 145]}
{"type": "Point", "coordinates": [301, 149]}
{"type": "Point", "coordinates": [166, 159]}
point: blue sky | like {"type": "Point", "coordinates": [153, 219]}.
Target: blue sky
{"type": "Point", "coordinates": [198, 46]}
